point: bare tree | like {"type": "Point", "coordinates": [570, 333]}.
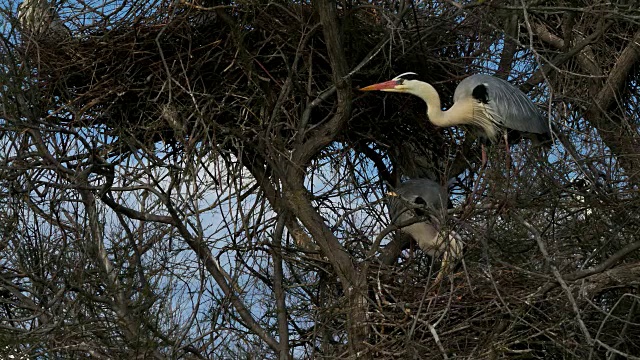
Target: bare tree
{"type": "Point", "coordinates": [203, 180]}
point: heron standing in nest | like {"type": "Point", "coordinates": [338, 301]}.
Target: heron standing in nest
{"type": "Point", "coordinates": [490, 105]}
{"type": "Point", "coordinates": [424, 198]}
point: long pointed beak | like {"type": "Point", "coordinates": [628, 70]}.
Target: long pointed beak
{"type": "Point", "coordinates": [391, 84]}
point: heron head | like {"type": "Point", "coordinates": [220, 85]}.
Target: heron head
{"type": "Point", "coordinates": [401, 83]}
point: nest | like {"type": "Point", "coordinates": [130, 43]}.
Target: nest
{"type": "Point", "coordinates": [186, 77]}
{"type": "Point", "coordinates": [202, 76]}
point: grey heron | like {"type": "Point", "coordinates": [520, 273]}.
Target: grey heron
{"type": "Point", "coordinates": [488, 103]}
{"type": "Point", "coordinates": [39, 18]}
{"type": "Point", "coordinates": [425, 198]}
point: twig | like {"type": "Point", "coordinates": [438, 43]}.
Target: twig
{"type": "Point", "coordinates": [556, 273]}
{"type": "Point", "coordinates": [612, 260]}
{"type": "Point", "coordinates": [437, 339]}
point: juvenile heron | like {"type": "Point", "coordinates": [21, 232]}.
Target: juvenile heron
{"type": "Point", "coordinates": [490, 104]}
{"type": "Point", "coordinates": [425, 198]}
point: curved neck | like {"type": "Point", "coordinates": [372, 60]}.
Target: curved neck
{"type": "Point", "coordinates": [460, 113]}
{"type": "Point", "coordinates": [434, 107]}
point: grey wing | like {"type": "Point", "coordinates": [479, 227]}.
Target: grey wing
{"type": "Point", "coordinates": [514, 109]}
{"type": "Point", "coordinates": [431, 194]}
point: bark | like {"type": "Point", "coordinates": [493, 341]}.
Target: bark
{"type": "Point", "coordinates": [624, 144]}
{"type": "Point", "coordinates": [325, 135]}
{"type": "Point", "coordinates": [610, 126]}
{"type": "Point", "coordinates": [509, 49]}
{"type": "Point", "coordinates": [585, 55]}
{"type": "Point", "coordinates": [295, 195]}
{"type": "Point", "coordinates": [545, 70]}
{"type": "Point", "coordinates": [626, 275]}
{"type": "Point", "coordinates": [278, 289]}
{"type": "Point", "coordinates": [392, 251]}
{"type": "Point", "coordinates": [357, 317]}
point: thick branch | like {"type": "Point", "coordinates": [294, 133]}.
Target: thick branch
{"type": "Point", "coordinates": [585, 57]}
{"type": "Point", "coordinates": [278, 289]}
{"type": "Point", "coordinates": [510, 46]}
{"type": "Point", "coordinates": [389, 255]}
{"type": "Point", "coordinates": [134, 214]}
{"type": "Point", "coordinates": [626, 275]}
{"type": "Point", "coordinates": [295, 197]}
{"type": "Point", "coordinates": [625, 145]}
{"type": "Point", "coordinates": [330, 27]}
{"type": "Point", "coordinates": [618, 76]}
{"type": "Point", "coordinates": [540, 74]}
{"type": "Point", "coordinates": [612, 260]}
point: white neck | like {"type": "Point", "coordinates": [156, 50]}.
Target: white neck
{"type": "Point", "coordinates": [453, 116]}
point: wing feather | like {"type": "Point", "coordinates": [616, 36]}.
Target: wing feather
{"type": "Point", "coordinates": [513, 108]}
{"type": "Point", "coordinates": [434, 195]}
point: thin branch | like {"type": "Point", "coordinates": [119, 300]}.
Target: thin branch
{"type": "Point", "coordinates": [556, 273]}
{"type": "Point", "coordinates": [212, 266]}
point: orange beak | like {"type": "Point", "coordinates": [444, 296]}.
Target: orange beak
{"type": "Point", "coordinates": [391, 84]}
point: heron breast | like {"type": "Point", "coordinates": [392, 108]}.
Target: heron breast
{"type": "Point", "coordinates": [426, 236]}
{"type": "Point", "coordinates": [486, 119]}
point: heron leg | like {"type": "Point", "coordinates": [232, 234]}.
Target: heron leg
{"type": "Point", "coordinates": [484, 156]}
{"type": "Point", "coordinates": [451, 253]}
{"type": "Point", "coordinates": [508, 156]}
{"type": "Point", "coordinates": [444, 268]}
{"type": "Point", "coordinates": [476, 184]}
